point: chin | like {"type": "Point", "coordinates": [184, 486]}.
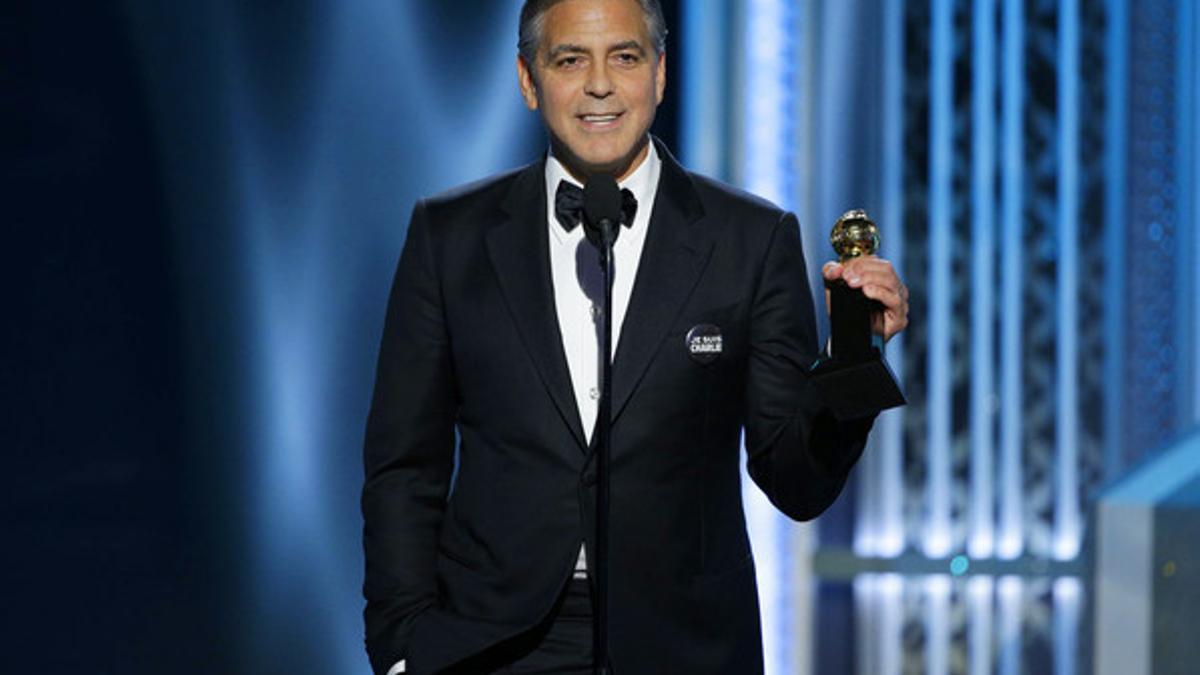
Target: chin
{"type": "Point", "coordinates": [609, 160]}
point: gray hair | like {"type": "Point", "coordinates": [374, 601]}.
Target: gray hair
{"type": "Point", "coordinates": [533, 18]}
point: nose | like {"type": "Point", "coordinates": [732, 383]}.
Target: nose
{"type": "Point", "coordinates": [598, 83]}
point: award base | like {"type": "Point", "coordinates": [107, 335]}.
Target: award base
{"type": "Point", "coordinates": [856, 389]}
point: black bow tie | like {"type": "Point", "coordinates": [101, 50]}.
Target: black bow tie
{"type": "Point", "coordinates": [568, 206]}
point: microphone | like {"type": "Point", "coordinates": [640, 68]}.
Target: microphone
{"type": "Point", "coordinates": [601, 210]}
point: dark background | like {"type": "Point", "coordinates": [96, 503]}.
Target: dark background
{"type": "Point", "coordinates": [123, 382]}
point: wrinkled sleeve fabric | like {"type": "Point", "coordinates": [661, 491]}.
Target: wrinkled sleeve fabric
{"type": "Point", "coordinates": [797, 452]}
{"type": "Point", "coordinates": [408, 452]}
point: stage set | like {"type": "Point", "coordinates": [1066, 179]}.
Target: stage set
{"type": "Point", "coordinates": [211, 197]}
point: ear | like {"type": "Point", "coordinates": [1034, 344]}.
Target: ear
{"type": "Point", "coordinates": [528, 84]}
{"type": "Point", "coordinates": [660, 80]}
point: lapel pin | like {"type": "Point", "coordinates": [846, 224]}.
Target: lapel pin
{"type": "Point", "coordinates": [704, 343]}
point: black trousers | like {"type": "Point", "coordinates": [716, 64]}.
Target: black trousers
{"type": "Point", "coordinates": [560, 645]}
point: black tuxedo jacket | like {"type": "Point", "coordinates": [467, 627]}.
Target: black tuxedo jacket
{"type": "Point", "coordinates": [463, 554]}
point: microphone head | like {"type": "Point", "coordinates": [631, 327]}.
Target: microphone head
{"type": "Point", "coordinates": [601, 208]}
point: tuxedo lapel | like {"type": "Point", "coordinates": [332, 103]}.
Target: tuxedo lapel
{"type": "Point", "coordinates": [520, 253]}
{"type": "Point", "coordinates": [675, 253]}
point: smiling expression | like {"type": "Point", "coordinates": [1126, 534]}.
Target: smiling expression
{"type": "Point", "coordinates": [597, 83]}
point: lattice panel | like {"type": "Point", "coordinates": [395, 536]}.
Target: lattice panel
{"type": "Point", "coordinates": [1151, 373]}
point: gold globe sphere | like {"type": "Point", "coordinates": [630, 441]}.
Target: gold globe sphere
{"type": "Point", "coordinates": [854, 235]}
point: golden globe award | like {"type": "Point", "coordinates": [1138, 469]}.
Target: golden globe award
{"type": "Point", "coordinates": [854, 377]}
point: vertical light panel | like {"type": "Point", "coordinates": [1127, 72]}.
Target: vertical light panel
{"type": "Point", "coordinates": [937, 624]}
{"type": "Point", "coordinates": [1068, 600]}
{"type": "Point", "coordinates": [879, 517]}
{"type": "Point", "coordinates": [979, 625]}
{"type": "Point", "coordinates": [705, 85]}
{"type": "Point", "coordinates": [879, 624]}
{"type": "Point", "coordinates": [936, 537]}
{"type": "Point", "coordinates": [1009, 599]}
{"type": "Point", "coordinates": [767, 170]}
{"type": "Point", "coordinates": [1066, 485]}
{"type": "Point", "coordinates": [1116, 137]}
{"type": "Point", "coordinates": [1010, 540]}
{"type": "Point", "coordinates": [980, 540]}
{"type": "Point", "coordinates": [889, 529]}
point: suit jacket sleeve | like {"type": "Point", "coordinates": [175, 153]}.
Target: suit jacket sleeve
{"type": "Point", "coordinates": [408, 453]}
{"type": "Point", "coordinates": [798, 453]}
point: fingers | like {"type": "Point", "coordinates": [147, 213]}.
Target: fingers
{"type": "Point", "coordinates": [872, 271]}
{"type": "Point", "coordinates": [832, 270]}
{"type": "Point", "coordinates": [878, 281]}
{"type": "Point", "coordinates": [891, 298]}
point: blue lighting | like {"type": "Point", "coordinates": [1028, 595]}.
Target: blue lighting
{"type": "Point", "coordinates": [959, 565]}
{"type": "Point", "coordinates": [1066, 494]}
{"type": "Point", "coordinates": [937, 538]}
{"type": "Point", "coordinates": [983, 216]}
{"type": "Point", "coordinates": [1116, 138]}
{"type": "Point", "coordinates": [1010, 541]}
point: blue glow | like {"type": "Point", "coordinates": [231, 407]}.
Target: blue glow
{"type": "Point", "coordinates": [767, 170]}
{"type": "Point", "coordinates": [959, 565]}
{"type": "Point", "coordinates": [879, 617]}
{"type": "Point", "coordinates": [1195, 202]}
{"type": "Point", "coordinates": [702, 115]}
{"type": "Point", "coordinates": [979, 625]}
{"type": "Point", "coordinates": [1011, 596]}
{"type": "Point", "coordinates": [1116, 139]}
{"type": "Point", "coordinates": [1010, 542]}
{"type": "Point", "coordinates": [1066, 492]}
{"type": "Point", "coordinates": [980, 539]}
{"type": "Point", "coordinates": [937, 624]}
{"type": "Point", "coordinates": [937, 540]}
{"type": "Point", "coordinates": [889, 539]}
{"type": "Point", "coordinates": [1067, 608]}
{"type": "Point", "coordinates": [307, 560]}
{"type": "Point", "coordinates": [1189, 213]}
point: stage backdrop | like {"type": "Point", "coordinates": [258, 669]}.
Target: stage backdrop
{"type": "Point", "coordinates": [208, 200]}
{"type": "Point", "coordinates": [1033, 167]}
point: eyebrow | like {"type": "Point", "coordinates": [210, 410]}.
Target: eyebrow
{"type": "Point", "coordinates": [568, 48]}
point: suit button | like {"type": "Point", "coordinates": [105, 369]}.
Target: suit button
{"type": "Point", "coordinates": [589, 478]}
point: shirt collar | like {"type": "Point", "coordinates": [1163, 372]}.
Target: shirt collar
{"type": "Point", "coordinates": [641, 183]}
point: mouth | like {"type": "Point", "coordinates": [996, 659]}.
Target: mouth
{"type": "Point", "coordinates": [600, 121]}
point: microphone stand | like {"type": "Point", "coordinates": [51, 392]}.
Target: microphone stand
{"type": "Point", "coordinates": [603, 457]}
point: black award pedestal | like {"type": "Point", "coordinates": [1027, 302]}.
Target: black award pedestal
{"type": "Point", "coordinates": [854, 378]}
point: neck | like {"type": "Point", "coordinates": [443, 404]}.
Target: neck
{"type": "Point", "coordinates": [619, 170]}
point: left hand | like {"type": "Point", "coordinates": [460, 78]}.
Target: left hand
{"type": "Point", "coordinates": [878, 281]}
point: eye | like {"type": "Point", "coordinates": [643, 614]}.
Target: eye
{"type": "Point", "coordinates": [568, 62]}
{"type": "Point", "coordinates": [627, 58]}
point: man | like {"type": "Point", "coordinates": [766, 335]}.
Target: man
{"type": "Point", "coordinates": [490, 332]}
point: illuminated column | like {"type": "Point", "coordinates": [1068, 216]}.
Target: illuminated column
{"type": "Point", "coordinates": [980, 611]}
{"type": "Point", "coordinates": [879, 624]}
{"type": "Point", "coordinates": [1068, 603]}
{"type": "Point", "coordinates": [980, 537]}
{"type": "Point", "coordinates": [1009, 600]}
{"type": "Point", "coordinates": [1066, 484]}
{"type": "Point", "coordinates": [767, 168]}
{"type": "Point", "coordinates": [936, 538]}
{"type": "Point", "coordinates": [1010, 540]}
{"type": "Point", "coordinates": [703, 114]}
{"type": "Point", "coordinates": [937, 624]}
{"type": "Point", "coordinates": [889, 528]}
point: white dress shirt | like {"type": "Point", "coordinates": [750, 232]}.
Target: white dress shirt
{"type": "Point", "coordinates": [578, 284]}
{"type": "Point", "coordinates": [579, 281]}
{"type": "Point", "coordinates": [579, 290]}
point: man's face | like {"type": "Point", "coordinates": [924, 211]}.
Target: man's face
{"type": "Point", "coordinates": [597, 83]}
